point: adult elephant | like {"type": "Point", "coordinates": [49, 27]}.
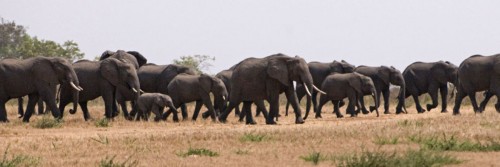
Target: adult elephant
{"type": "Point", "coordinates": [137, 60]}
{"type": "Point", "coordinates": [185, 88]}
{"type": "Point", "coordinates": [155, 78]}
{"type": "Point", "coordinates": [423, 78]}
{"type": "Point", "coordinates": [478, 73]}
{"type": "Point", "coordinates": [35, 77]}
{"type": "Point", "coordinates": [257, 79]}
{"type": "Point", "coordinates": [350, 85]}
{"type": "Point", "coordinates": [383, 77]}
{"type": "Point", "coordinates": [102, 78]}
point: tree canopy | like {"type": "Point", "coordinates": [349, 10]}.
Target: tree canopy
{"type": "Point", "coordinates": [16, 43]}
{"type": "Point", "coordinates": [197, 62]}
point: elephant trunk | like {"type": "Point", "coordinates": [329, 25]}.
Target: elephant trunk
{"type": "Point", "coordinates": [402, 96]}
{"type": "Point", "coordinates": [309, 100]}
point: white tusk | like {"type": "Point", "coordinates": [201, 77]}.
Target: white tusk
{"type": "Point", "coordinates": [224, 98]}
{"type": "Point", "coordinates": [373, 94]}
{"type": "Point", "coordinates": [74, 86]}
{"type": "Point", "coordinates": [320, 91]}
{"type": "Point", "coordinates": [307, 89]}
{"type": "Point", "coordinates": [80, 88]}
{"type": "Point", "coordinates": [140, 90]}
{"type": "Point", "coordinates": [133, 89]}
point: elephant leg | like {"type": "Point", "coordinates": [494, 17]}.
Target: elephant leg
{"type": "Point", "coordinates": [262, 107]}
{"type": "Point", "coordinates": [314, 99]}
{"type": "Point", "coordinates": [184, 111]}
{"type": "Point", "coordinates": [399, 107]}
{"type": "Point", "coordinates": [242, 114]}
{"type": "Point", "coordinates": [123, 105]}
{"type": "Point", "coordinates": [472, 97]}
{"type": "Point", "coordinates": [227, 111]}
{"type": "Point", "coordinates": [350, 107]}
{"type": "Point", "coordinates": [40, 107]}
{"type": "Point", "coordinates": [32, 100]}
{"type": "Point", "coordinates": [3, 112]}
{"type": "Point", "coordinates": [85, 110]}
{"type": "Point", "coordinates": [20, 110]}
{"type": "Point", "coordinates": [336, 108]}
{"type": "Point", "coordinates": [197, 109]}
{"type": "Point", "coordinates": [322, 101]}
{"type": "Point", "coordinates": [237, 111]}
{"type": "Point", "coordinates": [286, 108]}
{"type": "Point", "coordinates": [458, 100]}
{"type": "Point", "coordinates": [487, 96]}
{"type": "Point", "coordinates": [108, 98]}
{"type": "Point", "coordinates": [385, 95]}
{"type": "Point", "coordinates": [273, 108]}
{"type": "Point", "coordinates": [247, 109]}
{"type": "Point", "coordinates": [176, 115]}
{"type": "Point", "coordinates": [292, 97]}
{"type": "Point", "coordinates": [258, 112]}
{"type": "Point", "coordinates": [114, 109]}
{"type": "Point", "coordinates": [417, 103]}
{"type": "Point", "coordinates": [443, 90]}
{"type": "Point", "coordinates": [361, 105]}
{"type": "Point", "coordinates": [433, 92]}
{"type": "Point", "coordinates": [373, 108]}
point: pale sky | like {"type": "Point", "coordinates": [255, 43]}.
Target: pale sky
{"type": "Point", "coordinates": [386, 32]}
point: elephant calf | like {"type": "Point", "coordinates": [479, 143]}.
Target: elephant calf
{"type": "Point", "coordinates": [186, 88]}
{"type": "Point", "coordinates": [152, 102]}
{"type": "Point", "coordinates": [340, 86]}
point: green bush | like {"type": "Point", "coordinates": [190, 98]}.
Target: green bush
{"type": "Point", "coordinates": [101, 123]}
{"type": "Point", "coordinates": [314, 157]}
{"type": "Point", "coordinates": [47, 122]}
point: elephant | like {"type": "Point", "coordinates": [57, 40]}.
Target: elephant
{"type": "Point", "coordinates": [152, 102]}
{"type": "Point", "coordinates": [41, 108]}
{"type": "Point", "coordinates": [478, 73]}
{"type": "Point", "coordinates": [319, 71]}
{"type": "Point", "coordinates": [185, 88]}
{"type": "Point", "coordinates": [383, 77]}
{"type": "Point", "coordinates": [257, 79]}
{"type": "Point", "coordinates": [155, 78]}
{"type": "Point", "coordinates": [423, 78]}
{"type": "Point", "coordinates": [102, 78]}
{"type": "Point", "coordinates": [36, 77]}
{"type": "Point", "coordinates": [349, 85]}
{"type": "Point", "coordinates": [137, 60]}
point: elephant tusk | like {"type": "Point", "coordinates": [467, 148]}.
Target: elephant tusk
{"type": "Point", "coordinates": [74, 86]}
{"type": "Point", "coordinates": [80, 88]}
{"type": "Point", "coordinates": [140, 90]}
{"type": "Point", "coordinates": [307, 89]}
{"type": "Point", "coordinates": [319, 90]}
{"type": "Point", "coordinates": [133, 89]}
{"type": "Point", "coordinates": [224, 98]}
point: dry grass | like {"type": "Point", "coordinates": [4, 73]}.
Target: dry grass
{"type": "Point", "coordinates": [79, 143]}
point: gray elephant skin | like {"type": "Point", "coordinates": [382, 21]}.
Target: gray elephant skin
{"type": "Point", "coordinates": [124, 95]}
{"type": "Point", "coordinates": [319, 72]}
{"type": "Point", "coordinates": [155, 78]}
{"type": "Point", "coordinates": [423, 78]}
{"type": "Point", "coordinates": [257, 79]}
{"type": "Point", "coordinates": [102, 78]}
{"type": "Point", "coordinates": [185, 88]}
{"type": "Point", "coordinates": [478, 73]}
{"type": "Point", "coordinates": [383, 77]}
{"type": "Point", "coordinates": [152, 102]}
{"type": "Point", "coordinates": [349, 85]}
{"type": "Point", "coordinates": [36, 77]}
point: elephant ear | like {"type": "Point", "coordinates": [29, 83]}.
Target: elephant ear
{"type": "Point", "coordinates": [355, 83]}
{"type": "Point", "coordinates": [109, 70]}
{"type": "Point", "coordinates": [106, 54]}
{"type": "Point", "coordinates": [159, 101]}
{"type": "Point", "coordinates": [44, 70]}
{"type": "Point", "coordinates": [385, 74]}
{"type": "Point", "coordinates": [205, 82]}
{"type": "Point", "coordinates": [141, 60]}
{"type": "Point", "coordinates": [278, 70]}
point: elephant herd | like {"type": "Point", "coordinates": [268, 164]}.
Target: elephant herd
{"type": "Point", "coordinates": [125, 76]}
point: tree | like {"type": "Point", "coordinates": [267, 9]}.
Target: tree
{"type": "Point", "coordinates": [16, 43]}
{"type": "Point", "coordinates": [198, 62]}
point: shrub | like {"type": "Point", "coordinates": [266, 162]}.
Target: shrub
{"type": "Point", "coordinates": [314, 157]}
{"type": "Point", "coordinates": [46, 122]}
{"type": "Point", "coordinates": [101, 123]}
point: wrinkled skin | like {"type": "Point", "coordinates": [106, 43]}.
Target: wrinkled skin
{"type": "Point", "coordinates": [257, 79]}
{"type": "Point", "coordinates": [124, 94]}
{"type": "Point", "coordinates": [36, 77]}
{"type": "Point", "coordinates": [478, 73]}
{"type": "Point", "coordinates": [155, 78]}
{"type": "Point", "coordinates": [152, 102]}
{"type": "Point", "coordinates": [423, 78]}
{"type": "Point", "coordinates": [319, 71]}
{"type": "Point", "coordinates": [349, 85]}
{"type": "Point", "coordinates": [101, 79]}
{"type": "Point", "coordinates": [383, 77]}
{"type": "Point", "coordinates": [185, 88]}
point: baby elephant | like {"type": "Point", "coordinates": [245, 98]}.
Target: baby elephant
{"type": "Point", "coordinates": [339, 86]}
{"type": "Point", "coordinates": [152, 102]}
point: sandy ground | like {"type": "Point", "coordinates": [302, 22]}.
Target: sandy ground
{"type": "Point", "coordinates": [80, 143]}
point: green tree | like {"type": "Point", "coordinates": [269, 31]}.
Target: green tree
{"type": "Point", "coordinates": [16, 43]}
{"type": "Point", "coordinates": [198, 62]}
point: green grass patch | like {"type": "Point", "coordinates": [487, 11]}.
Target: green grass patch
{"type": "Point", "coordinates": [102, 123]}
{"type": "Point", "coordinates": [110, 162]}
{"type": "Point", "coordinates": [47, 122]}
{"type": "Point", "coordinates": [199, 152]}
{"type": "Point", "coordinates": [314, 157]}
{"type": "Point", "coordinates": [386, 141]}
{"type": "Point", "coordinates": [453, 144]}
{"type": "Point", "coordinates": [241, 152]}
{"type": "Point", "coordinates": [409, 158]}
{"type": "Point", "coordinates": [250, 137]}
{"type": "Point", "coordinates": [18, 160]}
